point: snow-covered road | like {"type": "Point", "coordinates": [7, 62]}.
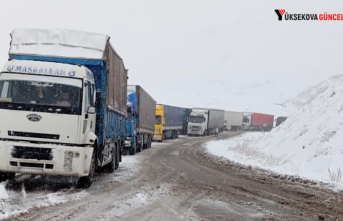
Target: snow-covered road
{"type": "Point", "coordinates": [175, 180]}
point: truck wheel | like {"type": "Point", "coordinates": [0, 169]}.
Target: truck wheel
{"type": "Point", "coordinates": [132, 151]}
{"type": "Point", "coordinates": [10, 176]}
{"type": "Point", "coordinates": [117, 158]}
{"type": "Point", "coordinates": [3, 176]}
{"type": "Point", "coordinates": [86, 181]}
{"type": "Point", "coordinates": [140, 147]}
{"type": "Point", "coordinates": [6, 176]}
{"type": "Point", "coordinates": [111, 166]}
{"type": "Point", "coordinates": [149, 143]}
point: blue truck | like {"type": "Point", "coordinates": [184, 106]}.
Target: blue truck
{"type": "Point", "coordinates": [141, 119]}
{"type": "Point", "coordinates": [62, 104]}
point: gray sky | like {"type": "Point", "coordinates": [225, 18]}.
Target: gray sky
{"type": "Point", "coordinates": [225, 54]}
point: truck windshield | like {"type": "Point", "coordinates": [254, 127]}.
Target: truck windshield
{"type": "Point", "coordinates": [196, 119]}
{"type": "Point", "coordinates": [40, 96]}
{"type": "Point", "coordinates": [158, 120]}
{"type": "Point", "coordinates": [245, 119]}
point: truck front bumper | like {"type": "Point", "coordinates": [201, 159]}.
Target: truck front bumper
{"type": "Point", "coordinates": [157, 138]}
{"type": "Point", "coordinates": [49, 159]}
{"type": "Point", "coordinates": [195, 132]}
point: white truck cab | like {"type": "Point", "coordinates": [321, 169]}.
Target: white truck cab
{"type": "Point", "coordinates": [47, 118]}
{"type": "Point", "coordinates": [246, 120]}
{"type": "Point", "coordinates": [197, 122]}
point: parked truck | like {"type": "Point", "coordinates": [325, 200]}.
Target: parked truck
{"type": "Point", "coordinates": [62, 105]}
{"type": "Point", "coordinates": [258, 121]}
{"type": "Point", "coordinates": [233, 120]}
{"type": "Point", "coordinates": [204, 122]}
{"type": "Point", "coordinates": [169, 122]}
{"type": "Point", "coordinates": [141, 110]}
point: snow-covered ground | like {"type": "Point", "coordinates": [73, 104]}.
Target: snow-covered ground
{"type": "Point", "coordinates": [44, 193]}
{"type": "Point", "coordinates": [308, 144]}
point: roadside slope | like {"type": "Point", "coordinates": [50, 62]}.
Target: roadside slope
{"type": "Point", "coordinates": [307, 144]}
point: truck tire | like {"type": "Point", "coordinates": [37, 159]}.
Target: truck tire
{"type": "Point", "coordinates": [117, 158]}
{"type": "Point", "coordinates": [6, 176]}
{"type": "Point", "coordinates": [111, 166]}
{"type": "Point", "coordinates": [145, 145]}
{"type": "Point", "coordinates": [149, 142]}
{"type": "Point", "coordinates": [86, 181]}
{"type": "Point", "coordinates": [10, 176]}
{"type": "Point", "coordinates": [140, 145]}
{"type": "Point", "coordinates": [132, 151]}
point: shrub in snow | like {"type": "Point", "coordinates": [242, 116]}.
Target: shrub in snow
{"type": "Point", "coordinates": [335, 176]}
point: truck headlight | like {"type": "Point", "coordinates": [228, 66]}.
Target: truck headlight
{"type": "Point", "coordinates": [68, 160]}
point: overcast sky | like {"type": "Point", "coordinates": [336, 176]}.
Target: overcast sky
{"type": "Point", "coordinates": [234, 55]}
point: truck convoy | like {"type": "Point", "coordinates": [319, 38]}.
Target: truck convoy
{"type": "Point", "coordinates": [141, 109]}
{"type": "Point", "coordinates": [66, 109]}
{"type": "Point", "coordinates": [204, 121]}
{"type": "Point", "coordinates": [169, 122]}
{"type": "Point", "coordinates": [233, 120]}
{"type": "Point", "coordinates": [257, 121]}
{"type": "Point", "coordinates": [63, 105]}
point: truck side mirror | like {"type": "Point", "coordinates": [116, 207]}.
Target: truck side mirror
{"type": "Point", "coordinates": [98, 99]}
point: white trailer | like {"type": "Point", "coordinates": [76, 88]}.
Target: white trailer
{"type": "Point", "coordinates": [233, 120]}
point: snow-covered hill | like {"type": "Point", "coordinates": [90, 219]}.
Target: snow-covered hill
{"type": "Point", "coordinates": [308, 144]}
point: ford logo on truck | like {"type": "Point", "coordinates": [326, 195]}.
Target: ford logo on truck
{"type": "Point", "coordinates": [34, 117]}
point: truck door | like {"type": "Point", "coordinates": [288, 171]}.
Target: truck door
{"type": "Point", "coordinates": [89, 109]}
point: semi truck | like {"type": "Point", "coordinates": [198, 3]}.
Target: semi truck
{"type": "Point", "coordinates": [63, 105]}
{"type": "Point", "coordinates": [204, 122]}
{"type": "Point", "coordinates": [233, 120]}
{"type": "Point", "coordinates": [169, 122]}
{"type": "Point", "coordinates": [141, 108]}
{"type": "Point", "coordinates": [258, 121]}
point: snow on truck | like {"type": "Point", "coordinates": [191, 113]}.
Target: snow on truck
{"type": "Point", "coordinates": [205, 122]}
{"type": "Point", "coordinates": [62, 105]}
{"type": "Point", "coordinates": [141, 119]}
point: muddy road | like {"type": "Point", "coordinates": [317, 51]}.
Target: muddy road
{"type": "Point", "coordinates": [176, 180]}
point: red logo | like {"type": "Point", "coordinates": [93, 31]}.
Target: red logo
{"type": "Point", "coordinates": [282, 11]}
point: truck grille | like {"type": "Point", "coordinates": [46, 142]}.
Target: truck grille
{"type": "Point", "coordinates": [34, 135]}
{"type": "Point", "coordinates": [32, 153]}
{"type": "Point", "coordinates": [34, 165]}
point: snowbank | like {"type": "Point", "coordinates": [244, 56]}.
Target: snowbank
{"type": "Point", "coordinates": [307, 144]}
{"type": "Point", "coordinates": [3, 192]}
